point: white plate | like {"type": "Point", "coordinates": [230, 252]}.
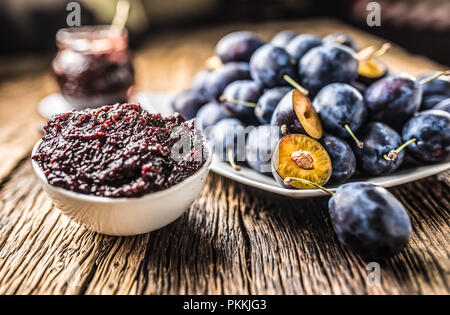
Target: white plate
{"type": "Point", "coordinates": [160, 102]}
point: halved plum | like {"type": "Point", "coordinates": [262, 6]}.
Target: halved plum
{"type": "Point", "coordinates": [370, 68]}
{"type": "Point", "coordinates": [295, 114]}
{"type": "Point", "coordinates": [300, 157]}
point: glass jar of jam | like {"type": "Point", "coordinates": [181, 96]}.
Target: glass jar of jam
{"type": "Point", "coordinates": [93, 66]}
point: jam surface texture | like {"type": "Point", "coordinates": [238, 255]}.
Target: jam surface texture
{"type": "Point", "coordinates": [119, 151]}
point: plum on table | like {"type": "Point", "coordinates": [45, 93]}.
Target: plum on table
{"type": "Point", "coordinates": [343, 159]}
{"type": "Point", "coordinates": [269, 63]}
{"type": "Point", "coordinates": [299, 156]}
{"type": "Point", "coordinates": [261, 141]}
{"type": "Point", "coordinates": [301, 44]}
{"type": "Point", "coordinates": [295, 114]}
{"type": "Point", "coordinates": [341, 109]}
{"type": "Point", "coordinates": [239, 99]}
{"type": "Point", "coordinates": [238, 46]}
{"type": "Point", "coordinates": [429, 135]}
{"type": "Point", "coordinates": [369, 220]}
{"type": "Point", "coordinates": [379, 140]}
{"type": "Point", "coordinates": [227, 139]}
{"type": "Point", "coordinates": [282, 38]}
{"type": "Point", "coordinates": [268, 102]}
{"type": "Point", "coordinates": [188, 102]}
{"type": "Point", "coordinates": [370, 67]}
{"type": "Point", "coordinates": [209, 114]}
{"type": "Point", "coordinates": [327, 64]}
{"type": "Point", "coordinates": [396, 98]}
{"type": "Point", "coordinates": [219, 79]}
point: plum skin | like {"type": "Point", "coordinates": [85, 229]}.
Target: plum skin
{"type": "Point", "coordinates": [242, 90]}
{"type": "Point", "coordinates": [338, 104]}
{"type": "Point", "coordinates": [439, 86]}
{"type": "Point", "coordinates": [430, 101]}
{"type": "Point", "coordinates": [393, 99]}
{"type": "Point", "coordinates": [261, 141]}
{"type": "Point", "coordinates": [199, 80]}
{"type": "Point", "coordinates": [282, 38]}
{"type": "Point", "coordinates": [209, 114]}
{"type": "Point", "coordinates": [343, 160]}
{"type": "Point", "coordinates": [238, 46]}
{"type": "Point", "coordinates": [431, 128]}
{"type": "Point", "coordinates": [327, 64]}
{"type": "Point", "coordinates": [443, 105]}
{"type": "Point", "coordinates": [188, 103]}
{"type": "Point", "coordinates": [269, 63]}
{"type": "Point", "coordinates": [284, 114]}
{"type": "Point", "coordinates": [379, 139]}
{"type": "Point", "coordinates": [369, 220]}
{"type": "Point", "coordinates": [301, 44]}
{"type": "Point", "coordinates": [228, 133]}
{"type": "Point", "coordinates": [333, 39]}
{"type": "Point", "coordinates": [218, 79]}
{"type": "Point", "coordinates": [268, 102]}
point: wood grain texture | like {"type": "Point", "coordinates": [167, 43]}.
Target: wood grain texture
{"type": "Point", "coordinates": [233, 240]}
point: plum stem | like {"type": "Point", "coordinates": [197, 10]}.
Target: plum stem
{"type": "Point", "coordinates": [121, 15]}
{"type": "Point", "coordinates": [380, 52]}
{"type": "Point", "coordinates": [340, 39]}
{"type": "Point", "coordinates": [237, 102]}
{"type": "Point", "coordinates": [370, 53]}
{"type": "Point", "coordinates": [230, 154]}
{"type": "Point", "coordinates": [289, 180]}
{"type": "Point", "coordinates": [392, 155]}
{"type": "Point", "coordinates": [295, 84]}
{"type": "Point", "coordinates": [360, 144]}
{"type": "Point", "coordinates": [212, 63]}
{"type": "Point", "coordinates": [433, 77]}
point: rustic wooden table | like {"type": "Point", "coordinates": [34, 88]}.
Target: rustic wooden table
{"type": "Point", "coordinates": [233, 240]}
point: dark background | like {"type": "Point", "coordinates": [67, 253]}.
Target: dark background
{"type": "Point", "coordinates": [421, 26]}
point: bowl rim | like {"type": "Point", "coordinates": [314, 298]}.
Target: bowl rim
{"type": "Point", "coordinates": [91, 198]}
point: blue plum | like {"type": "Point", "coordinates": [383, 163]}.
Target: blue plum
{"type": "Point", "coordinates": [361, 87]}
{"type": "Point", "coordinates": [269, 63]}
{"type": "Point", "coordinates": [295, 114]}
{"type": "Point", "coordinates": [369, 220]}
{"type": "Point", "coordinates": [379, 140]}
{"type": "Point", "coordinates": [393, 99]}
{"type": "Point", "coordinates": [341, 108]}
{"type": "Point", "coordinates": [227, 139]}
{"type": "Point", "coordinates": [239, 93]}
{"type": "Point", "coordinates": [440, 86]}
{"type": "Point", "coordinates": [188, 102]}
{"type": "Point", "coordinates": [301, 44]}
{"type": "Point", "coordinates": [342, 39]}
{"type": "Point", "coordinates": [224, 75]}
{"type": "Point", "coordinates": [431, 100]}
{"type": "Point", "coordinates": [199, 80]}
{"type": "Point", "coordinates": [209, 114]}
{"type": "Point", "coordinates": [261, 141]}
{"type": "Point", "coordinates": [327, 64]}
{"type": "Point", "coordinates": [238, 46]}
{"type": "Point", "coordinates": [443, 105]}
{"type": "Point", "coordinates": [268, 102]}
{"type": "Point", "coordinates": [431, 129]}
{"type": "Point", "coordinates": [283, 38]}
{"type": "Point", "coordinates": [343, 159]}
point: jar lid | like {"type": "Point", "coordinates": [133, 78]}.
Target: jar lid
{"type": "Point", "coordinates": [92, 39]}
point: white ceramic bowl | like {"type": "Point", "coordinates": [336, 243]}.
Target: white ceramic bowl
{"type": "Point", "coordinates": [126, 216]}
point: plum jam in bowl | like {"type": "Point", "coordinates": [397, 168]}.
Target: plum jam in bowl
{"type": "Point", "coordinates": [114, 170]}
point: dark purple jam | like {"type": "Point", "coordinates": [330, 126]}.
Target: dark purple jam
{"type": "Point", "coordinates": [119, 151]}
{"type": "Point", "coordinates": [93, 66]}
